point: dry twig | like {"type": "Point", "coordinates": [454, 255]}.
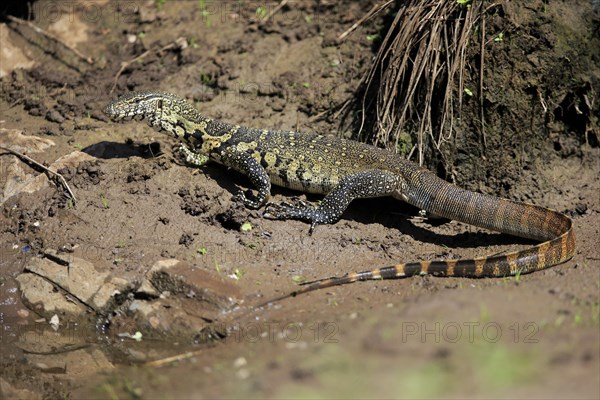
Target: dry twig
{"type": "Point", "coordinates": [42, 166]}
{"type": "Point", "coordinates": [274, 11]}
{"type": "Point", "coordinates": [175, 358]}
{"type": "Point", "coordinates": [376, 9]}
{"type": "Point", "coordinates": [178, 43]}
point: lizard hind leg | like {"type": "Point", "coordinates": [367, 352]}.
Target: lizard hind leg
{"type": "Point", "coordinates": [363, 184]}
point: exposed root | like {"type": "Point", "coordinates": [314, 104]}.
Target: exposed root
{"type": "Point", "coordinates": [416, 82]}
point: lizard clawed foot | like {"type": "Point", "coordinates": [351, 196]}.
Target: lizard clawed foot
{"type": "Point", "coordinates": [298, 210]}
{"type": "Point", "coordinates": [284, 210]}
{"type": "Point", "coordinates": [249, 200]}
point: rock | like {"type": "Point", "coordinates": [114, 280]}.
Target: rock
{"type": "Point", "coordinates": [178, 300]}
{"type": "Point", "coordinates": [39, 295]}
{"type": "Point", "coordinates": [74, 364]}
{"type": "Point", "coordinates": [14, 139]}
{"type": "Point", "coordinates": [12, 54]}
{"type": "Point", "coordinates": [40, 338]}
{"type": "Point", "coordinates": [71, 28]}
{"type": "Point", "coordinates": [167, 317]}
{"type": "Point", "coordinates": [195, 283]}
{"type": "Point", "coordinates": [72, 159]}
{"type": "Point", "coordinates": [55, 116]}
{"type": "Point", "coordinates": [147, 289]}
{"type": "Point", "coordinates": [80, 279]}
{"type": "Point", "coordinates": [18, 181]}
{"type": "Point", "coordinates": [105, 294]}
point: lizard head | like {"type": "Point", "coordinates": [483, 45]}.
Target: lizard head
{"type": "Point", "coordinates": [161, 110]}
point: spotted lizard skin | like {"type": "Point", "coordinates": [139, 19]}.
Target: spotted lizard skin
{"type": "Point", "coordinates": [344, 170]}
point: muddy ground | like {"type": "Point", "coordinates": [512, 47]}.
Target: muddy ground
{"type": "Point", "coordinates": [147, 261]}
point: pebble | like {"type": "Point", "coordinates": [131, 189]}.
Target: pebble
{"type": "Point", "coordinates": [55, 116]}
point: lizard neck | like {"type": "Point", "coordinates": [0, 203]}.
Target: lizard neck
{"type": "Point", "coordinates": [185, 123]}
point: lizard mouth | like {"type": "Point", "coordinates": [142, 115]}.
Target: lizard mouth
{"type": "Point", "coordinates": [110, 111]}
{"type": "Point", "coordinates": [118, 115]}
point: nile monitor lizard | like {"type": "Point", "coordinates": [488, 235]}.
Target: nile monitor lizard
{"type": "Point", "coordinates": [344, 170]}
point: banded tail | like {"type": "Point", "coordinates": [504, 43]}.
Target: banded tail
{"type": "Point", "coordinates": [535, 258]}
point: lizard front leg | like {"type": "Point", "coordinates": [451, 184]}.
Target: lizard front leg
{"type": "Point", "coordinates": [243, 162]}
{"type": "Point", "coordinates": [369, 183]}
{"type": "Point", "coordinates": [192, 157]}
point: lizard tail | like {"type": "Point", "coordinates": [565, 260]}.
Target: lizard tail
{"type": "Point", "coordinates": [515, 263]}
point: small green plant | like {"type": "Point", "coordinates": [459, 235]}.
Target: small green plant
{"type": "Point", "coordinates": [104, 200]}
{"type": "Point", "coordinates": [464, 2]}
{"type": "Point", "coordinates": [577, 318]}
{"type": "Point", "coordinates": [306, 85]}
{"type": "Point", "coordinates": [110, 390]}
{"type": "Point", "coordinates": [217, 268]}
{"type": "Point", "coordinates": [261, 12]}
{"type": "Point", "coordinates": [518, 275]}
{"type": "Point", "coordinates": [246, 227]}
{"type": "Point", "coordinates": [204, 12]}
{"type": "Point", "coordinates": [308, 19]}
{"type": "Point", "coordinates": [202, 251]}
{"type": "Point", "coordinates": [373, 37]}
{"type": "Point", "coordinates": [332, 302]}
{"type": "Point", "coordinates": [238, 273]}
{"type": "Point", "coordinates": [499, 38]}
{"type": "Point", "coordinates": [468, 92]}
{"type": "Point", "coordinates": [404, 144]}
{"type": "Point", "coordinates": [298, 279]}
{"type": "Point", "coordinates": [141, 35]}
{"type": "Point", "coordinates": [205, 79]}
{"type": "Point", "coordinates": [159, 4]}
